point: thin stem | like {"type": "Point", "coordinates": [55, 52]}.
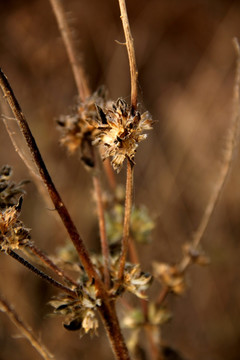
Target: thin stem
{"type": "Point", "coordinates": [127, 216]}
{"type": "Point", "coordinates": [110, 174]}
{"type": "Point", "coordinates": [163, 294]}
{"type": "Point", "coordinates": [25, 330]}
{"type": "Point", "coordinates": [54, 195]}
{"type": "Point", "coordinates": [131, 52]}
{"type": "Point", "coordinates": [40, 273]}
{"type": "Point", "coordinates": [226, 163]}
{"type": "Point", "coordinates": [102, 229]}
{"type": "Point", "coordinates": [111, 323]}
{"type": "Point", "coordinates": [47, 261]}
{"type": "Point", "coordinates": [78, 71]}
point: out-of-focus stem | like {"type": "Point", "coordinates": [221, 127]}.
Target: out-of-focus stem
{"type": "Point", "coordinates": [110, 174]}
{"type": "Point", "coordinates": [127, 216]}
{"type": "Point", "coordinates": [78, 71]}
{"type": "Point", "coordinates": [24, 329]}
{"type": "Point", "coordinates": [102, 229]}
{"type": "Point", "coordinates": [131, 52]}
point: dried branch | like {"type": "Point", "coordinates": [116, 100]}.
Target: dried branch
{"type": "Point", "coordinates": [226, 163]}
{"type": "Point", "coordinates": [47, 261]}
{"type": "Point", "coordinates": [40, 273]}
{"type": "Point", "coordinates": [54, 195]}
{"type": "Point", "coordinates": [127, 216]}
{"type": "Point", "coordinates": [131, 53]}
{"type": "Point", "coordinates": [78, 71]}
{"type": "Point", "coordinates": [25, 330]}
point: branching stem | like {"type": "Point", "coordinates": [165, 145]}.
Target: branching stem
{"type": "Point", "coordinates": [131, 52]}
{"type": "Point", "coordinates": [47, 261]}
{"type": "Point", "coordinates": [40, 273]}
{"type": "Point", "coordinates": [53, 193]}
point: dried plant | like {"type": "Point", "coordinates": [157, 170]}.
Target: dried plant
{"type": "Point", "coordinates": [104, 133]}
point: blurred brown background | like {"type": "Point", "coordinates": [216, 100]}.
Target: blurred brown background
{"type": "Point", "coordinates": [186, 71]}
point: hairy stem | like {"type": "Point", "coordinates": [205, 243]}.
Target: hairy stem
{"type": "Point", "coordinates": [78, 71]}
{"type": "Point", "coordinates": [24, 329]}
{"type": "Point", "coordinates": [53, 193]}
{"type": "Point", "coordinates": [40, 273]}
{"type": "Point", "coordinates": [127, 216]}
{"type": "Point", "coordinates": [131, 52]}
{"type": "Point", "coordinates": [47, 261]}
{"type": "Point", "coordinates": [111, 323]}
{"type": "Point", "coordinates": [102, 229]}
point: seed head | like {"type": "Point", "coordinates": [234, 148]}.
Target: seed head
{"type": "Point", "coordinates": [121, 129]}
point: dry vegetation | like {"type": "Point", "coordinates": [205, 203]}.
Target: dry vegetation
{"type": "Point", "coordinates": [186, 65]}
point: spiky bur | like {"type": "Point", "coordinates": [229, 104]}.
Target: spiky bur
{"type": "Point", "coordinates": [13, 233]}
{"type": "Point", "coordinates": [78, 130]}
{"type": "Point", "coordinates": [121, 130]}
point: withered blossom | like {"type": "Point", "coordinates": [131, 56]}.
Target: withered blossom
{"type": "Point", "coordinates": [13, 234]}
{"type": "Point", "coordinates": [170, 276]}
{"type": "Point", "coordinates": [79, 313]}
{"type": "Point", "coordinates": [78, 129]}
{"type": "Point", "coordinates": [121, 131]}
{"type": "Point", "coordinates": [135, 280]}
{"type": "Point", "coordinates": [9, 191]}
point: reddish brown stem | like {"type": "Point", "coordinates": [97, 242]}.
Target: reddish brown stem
{"type": "Point", "coordinates": [102, 229]}
{"type": "Point", "coordinates": [78, 71]}
{"type": "Point", "coordinates": [47, 261]}
{"type": "Point", "coordinates": [110, 320]}
{"type": "Point", "coordinates": [40, 273]}
{"type": "Point", "coordinates": [127, 216]}
{"type": "Point", "coordinates": [53, 193]}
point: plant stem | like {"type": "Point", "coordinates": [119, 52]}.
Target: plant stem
{"type": "Point", "coordinates": [127, 216]}
{"type": "Point", "coordinates": [111, 323]}
{"type": "Point", "coordinates": [46, 260]}
{"type": "Point", "coordinates": [40, 273]}
{"type": "Point", "coordinates": [102, 229]}
{"type": "Point", "coordinates": [78, 71]}
{"type": "Point", "coordinates": [226, 163]}
{"type": "Point", "coordinates": [131, 52]}
{"type": "Point", "coordinates": [110, 174]}
{"type": "Point", "coordinates": [54, 195]}
{"type": "Point", "coordinates": [24, 329]}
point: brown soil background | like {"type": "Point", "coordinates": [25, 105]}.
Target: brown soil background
{"type": "Point", "coordinates": [186, 71]}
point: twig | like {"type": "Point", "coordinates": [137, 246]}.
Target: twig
{"type": "Point", "coordinates": [127, 216]}
{"type": "Point", "coordinates": [111, 323]}
{"type": "Point", "coordinates": [131, 52]}
{"type": "Point", "coordinates": [25, 330]}
{"type": "Point", "coordinates": [40, 273]}
{"type": "Point", "coordinates": [54, 195]}
{"type": "Point", "coordinates": [47, 261]}
{"type": "Point", "coordinates": [226, 163]}
{"type": "Point", "coordinates": [102, 229]}
{"type": "Point", "coordinates": [78, 71]}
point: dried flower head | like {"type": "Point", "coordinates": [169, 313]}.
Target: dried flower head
{"type": "Point", "coordinates": [78, 129]}
{"type": "Point", "coordinates": [13, 234]}
{"type": "Point", "coordinates": [9, 191]}
{"type": "Point", "coordinates": [135, 280]}
{"type": "Point", "coordinates": [79, 313]}
{"type": "Point", "coordinates": [121, 130]}
{"type": "Point", "coordinates": [170, 276]}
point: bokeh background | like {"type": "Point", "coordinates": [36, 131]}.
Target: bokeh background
{"type": "Point", "coordinates": [186, 73]}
